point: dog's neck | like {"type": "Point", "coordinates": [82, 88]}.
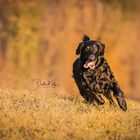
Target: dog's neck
{"type": "Point", "coordinates": [100, 62]}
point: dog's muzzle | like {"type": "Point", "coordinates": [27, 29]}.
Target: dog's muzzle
{"type": "Point", "coordinates": [90, 63]}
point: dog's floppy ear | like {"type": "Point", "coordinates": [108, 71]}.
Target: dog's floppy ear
{"type": "Point", "coordinates": [102, 51]}
{"type": "Point", "coordinates": [81, 45]}
{"type": "Point", "coordinates": [102, 48]}
{"type": "Point", "coordinates": [79, 48]}
{"type": "Point", "coordinates": [86, 38]}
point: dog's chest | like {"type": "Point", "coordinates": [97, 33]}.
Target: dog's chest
{"type": "Point", "coordinates": [95, 79]}
{"type": "Point", "coordinates": [91, 76]}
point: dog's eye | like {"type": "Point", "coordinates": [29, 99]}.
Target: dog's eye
{"type": "Point", "coordinates": [87, 49]}
{"type": "Point", "coordinates": [95, 49]}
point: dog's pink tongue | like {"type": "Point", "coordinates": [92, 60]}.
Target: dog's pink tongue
{"type": "Point", "coordinates": [90, 65]}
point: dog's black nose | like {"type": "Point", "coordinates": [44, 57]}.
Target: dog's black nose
{"type": "Point", "coordinates": [91, 57]}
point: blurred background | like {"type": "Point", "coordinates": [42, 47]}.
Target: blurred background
{"type": "Point", "coordinates": [38, 39]}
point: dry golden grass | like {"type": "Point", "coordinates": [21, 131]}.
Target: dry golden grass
{"type": "Point", "coordinates": [25, 115]}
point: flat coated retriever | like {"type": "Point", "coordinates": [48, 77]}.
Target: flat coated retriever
{"type": "Point", "coordinates": [93, 75]}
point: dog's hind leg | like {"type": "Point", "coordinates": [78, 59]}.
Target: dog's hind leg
{"type": "Point", "coordinates": [118, 93]}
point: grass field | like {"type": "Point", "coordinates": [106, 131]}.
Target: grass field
{"type": "Point", "coordinates": [32, 116]}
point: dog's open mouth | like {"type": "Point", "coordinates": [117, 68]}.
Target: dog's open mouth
{"type": "Point", "coordinates": [90, 64]}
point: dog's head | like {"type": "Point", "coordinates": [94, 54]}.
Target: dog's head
{"type": "Point", "coordinates": [91, 52]}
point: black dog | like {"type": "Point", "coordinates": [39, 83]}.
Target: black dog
{"type": "Point", "coordinates": [93, 75]}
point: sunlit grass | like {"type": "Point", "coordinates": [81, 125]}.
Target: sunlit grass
{"type": "Point", "coordinates": [25, 115]}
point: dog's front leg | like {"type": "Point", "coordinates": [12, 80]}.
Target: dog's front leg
{"type": "Point", "coordinates": [109, 97]}
{"type": "Point", "coordinates": [118, 93]}
{"type": "Point", "coordinates": [97, 98]}
{"type": "Point", "coordinates": [91, 97]}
